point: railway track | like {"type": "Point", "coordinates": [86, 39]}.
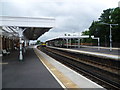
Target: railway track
{"type": "Point", "coordinates": [100, 73]}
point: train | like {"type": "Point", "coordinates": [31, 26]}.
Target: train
{"type": "Point", "coordinates": [43, 44]}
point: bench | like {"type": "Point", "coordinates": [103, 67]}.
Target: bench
{"type": "Point", "coordinates": [4, 52]}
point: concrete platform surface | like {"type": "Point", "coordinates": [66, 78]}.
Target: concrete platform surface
{"type": "Point", "coordinates": [81, 81]}
{"type": "Point", "coordinates": [103, 53]}
{"type": "Point", "coordinates": [30, 73]}
{"type": "Point", "coordinates": [104, 50]}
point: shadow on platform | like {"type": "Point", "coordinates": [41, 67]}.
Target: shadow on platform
{"type": "Point", "coordinates": [30, 73]}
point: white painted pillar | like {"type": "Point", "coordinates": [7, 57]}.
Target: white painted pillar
{"type": "Point", "coordinates": [98, 43]}
{"type": "Point", "coordinates": [21, 56]}
{"type": "Point", "coordinates": [20, 40]}
{"type": "Point", "coordinates": [70, 43]}
{"type": "Point", "coordinates": [74, 42]}
{"type": "Point", "coordinates": [78, 42]}
{"type": "Point", "coordinates": [110, 38]}
{"type": "Point", "coordinates": [67, 42]}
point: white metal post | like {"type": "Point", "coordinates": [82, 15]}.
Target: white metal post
{"type": "Point", "coordinates": [67, 42]}
{"type": "Point", "coordinates": [20, 38]}
{"type": "Point", "coordinates": [110, 34]}
{"type": "Point", "coordinates": [78, 42]}
{"type": "Point", "coordinates": [98, 43]}
{"type": "Point", "coordinates": [110, 38]}
{"type": "Point", "coordinates": [70, 43]}
{"type": "Point", "coordinates": [21, 56]}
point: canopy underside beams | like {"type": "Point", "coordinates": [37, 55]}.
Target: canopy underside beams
{"type": "Point", "coordinates": [34, 33]}
{"type": "Point", "coordinates": [32, 28]}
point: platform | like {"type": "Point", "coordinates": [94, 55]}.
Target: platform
{"type": "Point", "coordinates": [30, 73]}
{"type": "Point", "coordinates": [102, 53]}
{"type": "Point", "coordinates": [41, 71]}
{"type": "Point", "coordinates": [103, 50]}
{"type": "Point", "coordinates": [71, 76]}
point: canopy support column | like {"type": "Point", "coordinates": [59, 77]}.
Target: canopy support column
{"type": "Point", "coordinates": [98, 39]}
{"type": "Point", "coordinates": [79, 43]}
{"type": "Point", "coordinates": [70, 43]}
{"type": "Point", "coordinates": [20, 40]}
{"type": "Point", "coordinates": [98, 43]}
{"type": "Point", "coordinates": [67, 42]}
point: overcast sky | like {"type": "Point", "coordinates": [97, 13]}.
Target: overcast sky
{"type": "Point", "coordinates": [72, 16]}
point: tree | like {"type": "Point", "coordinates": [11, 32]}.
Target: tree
{"type": "Point", "coordinates": [116, 29]}
{"type": "Point", "coordinates": [87, 32]}
{"type": "Point", "coordinates": [86, 40]}
{"type": "Point", "coordinates": [110, 16]}
{"type": "Point", "coordinates": [38, 42]}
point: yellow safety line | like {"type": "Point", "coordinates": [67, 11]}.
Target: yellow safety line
{"type": "Point", "coordinates": [4, 63]}
{"type": "Point", "coordinates": [63, 79]}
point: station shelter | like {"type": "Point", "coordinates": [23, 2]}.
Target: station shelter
{"type": "Point", "coordinates": [66, 41]}
{"type": "Point", "coordinates": [16, 32]}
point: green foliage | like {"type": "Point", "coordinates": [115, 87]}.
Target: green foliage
{"type": "Point", "coordinates": [105, 16]}
{"type": "Point", "coordinates": [116, 29]}
{"type": "Point", "coordinates": [38, 42]}
{"type": "Point", "coordinates": [87, 32]}
{"type": "Point", "coordinates": [110, 16]}
{"type": "Point", "coordinates": [86, 40]}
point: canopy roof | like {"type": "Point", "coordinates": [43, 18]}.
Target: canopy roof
{"type": "Point", "coordinates": [33, 27]}
{"type": "Point", "coordinates": [70, 37]}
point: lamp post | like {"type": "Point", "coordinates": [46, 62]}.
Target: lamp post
{"type": "Point", "coordinates": [110, 33]}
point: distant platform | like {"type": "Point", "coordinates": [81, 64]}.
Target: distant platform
{"type": "Point", "coordinates": [103, 52]}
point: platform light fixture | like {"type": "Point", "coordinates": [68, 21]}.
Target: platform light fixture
{"type": "Point", "coordinates": [110, 33]}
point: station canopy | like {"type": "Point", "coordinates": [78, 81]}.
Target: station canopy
{"type": "Point", "coordinates": [70, 37]}
{"type": "Point", "coordinates": [32, 28]}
